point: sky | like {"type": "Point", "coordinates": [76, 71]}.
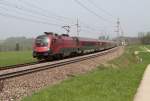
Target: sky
{"type": "Point", "coordinates": [38, 16]}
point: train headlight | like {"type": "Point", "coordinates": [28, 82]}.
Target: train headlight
{"type": "Point", "coordinates": [49, 49]}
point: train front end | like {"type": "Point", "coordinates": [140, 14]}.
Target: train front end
{"type": "Point", "coordinates": [41, 49]}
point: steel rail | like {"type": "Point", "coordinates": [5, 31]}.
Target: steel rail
{"type": "Point", "coordinates": [53, 65]}
{"type": "Point", "coordinates": [17, 65]}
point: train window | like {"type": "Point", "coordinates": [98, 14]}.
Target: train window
{"type": "Point", "coordinates": [41, 41]}
{"type": "Point", "coordinates": [88, 43]}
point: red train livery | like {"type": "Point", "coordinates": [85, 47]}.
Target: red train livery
{"type": "Point", "coordinates": [52, 45]}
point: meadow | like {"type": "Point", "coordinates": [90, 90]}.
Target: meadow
{"type": "Point", "coordinates": [15, 57]}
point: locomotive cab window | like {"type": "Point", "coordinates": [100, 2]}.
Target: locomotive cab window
{"type": "Point", "coordinates": [41, 41]}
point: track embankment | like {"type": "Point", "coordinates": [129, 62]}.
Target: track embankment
{"type": "Point", "coordinates": [13, 89]}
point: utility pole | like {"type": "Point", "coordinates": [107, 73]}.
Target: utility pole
{"type": "Point", "coordinates": [118, 27]}
{"type": "Point", "coordinates": [118, 31]}
{"type": "Point", "coordinates": [77, 27]}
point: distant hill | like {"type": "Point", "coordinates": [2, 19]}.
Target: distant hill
{"type": "Point", "coordinates": [10, 44]}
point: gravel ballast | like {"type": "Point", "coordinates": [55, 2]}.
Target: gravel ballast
{"type": "Point", "coordinates": [16, 88]}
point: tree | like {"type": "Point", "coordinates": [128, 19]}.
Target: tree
{"type": "Point", "coordinates": [144, 37]}
{"type": "Point", "coordinates": [0, 48]}
{"type": "Point", "coordinates": [103, 38]}
{"type": "Point", "coordinates": [17, 47]}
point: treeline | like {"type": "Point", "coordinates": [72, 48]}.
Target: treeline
{"type": "Point", "coordinates": [16, 44]}
{"type": "Point", "coordinates": [103, 37]}
{"type": "Point", "coordinates": [144, 37]}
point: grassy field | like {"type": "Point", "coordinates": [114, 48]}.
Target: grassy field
{"type": "Point", "coordinates": [147, 46]}
{"type": "Point", "coordinates": [12, 58]}
{"type": "Point", "coordinates": [116, 82]}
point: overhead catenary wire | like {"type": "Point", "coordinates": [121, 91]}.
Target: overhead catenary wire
{"type": "Point", "coordinates": [31, 11]}
{"type": "Point", "coordinates": [38, 13]}
{"type": "Point", "coordinates": [58, 16]}
{"type": "Point", "coordinates": [91, 11]}
{"type": "Point", "coordinates": [37, 21]}
{"type": "Point", "coordinates": [42, 22]}
{"type": "Point", "coordinates": [48, 12]}
{"type": "Point", "coordinates": [95, 13]}
{"type": "Point", "coordinates": [101, 9]}
{"type": "Point", "coordinates": [27, 19]}
{"type": "Point", "coordinates": [27, 10]}
{"type": "Point", "coordinates": [25, 15]}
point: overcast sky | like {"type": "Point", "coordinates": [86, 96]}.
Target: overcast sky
{"type": "Point", "coordinates": [134, 16]}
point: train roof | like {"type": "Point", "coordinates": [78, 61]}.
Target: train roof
{"type": "Point", "coordinates": [65, 36]}
{"type": "Point", "coordinates": [92, 40]}
{"type": "Point", "coordinates": [86, 39]}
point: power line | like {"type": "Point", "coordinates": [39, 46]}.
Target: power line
{"type": "Point", "coordinates": [24, 9]}
{"type": "Point", "coordinates": [27, 10]}
{"type": "Point", "coordinates": [87, 26]}
{"type": "Point", "coordinates": [24, 15]}
{"type": "Point", "coordinates": [48, 11]}
{"type": "Point", "coordinates": [98, 7]}
{"type": "Point", "coordinates": [44, 10]}
{"type": "Point", "coordinates": [35, 13]}
{"type": "Point", "coordinates": [38, 18]}
{"type": "Point", "coordinates": [89, 10]}
{"type": "Point", "coordinates": [27, 19]}
{"type": "Point", "coordinates": [87, 29]}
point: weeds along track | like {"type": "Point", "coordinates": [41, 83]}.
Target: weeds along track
{"type": "Point", "coordinates": [27, 69]}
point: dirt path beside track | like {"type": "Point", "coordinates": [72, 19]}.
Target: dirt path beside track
{"type": "Point", "coordinates": [143, 92]}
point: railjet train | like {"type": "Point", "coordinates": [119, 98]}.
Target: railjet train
{"type": "Point", "coordinates": [51, 45]}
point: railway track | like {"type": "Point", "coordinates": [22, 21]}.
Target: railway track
{"type": "Point", "coordinates": [14, 72]}
{"type": "Point", "coordinates": [18, 65]}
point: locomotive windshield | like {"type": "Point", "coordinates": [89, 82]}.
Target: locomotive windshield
{"type": "Point", "coordinates": [42, 41]}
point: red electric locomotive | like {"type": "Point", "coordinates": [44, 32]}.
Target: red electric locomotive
{"type": "Point", "coordinates": [53, 45]}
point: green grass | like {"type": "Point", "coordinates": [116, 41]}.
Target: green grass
{"type": "Point", "coordinates": [147, 46]}
{"type": "Point", "coordinates": [12, 58]}
{"type": "Point", "coordinates": [117, 82]}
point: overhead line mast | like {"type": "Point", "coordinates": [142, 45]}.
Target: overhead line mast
{"type": "Point", "coordinates": [118, 28]}
{"type": "Point", "coordinates": [119, 32]}
{"type": "Point", "coordinates": [77, 27]}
